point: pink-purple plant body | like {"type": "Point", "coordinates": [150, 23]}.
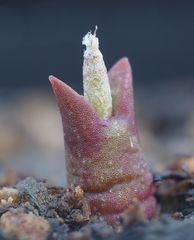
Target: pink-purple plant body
{"type": "Point", "coordinates": [103, 154]}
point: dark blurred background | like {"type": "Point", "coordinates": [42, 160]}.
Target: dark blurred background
{"type": "Point", "coordinates": [43, 37]}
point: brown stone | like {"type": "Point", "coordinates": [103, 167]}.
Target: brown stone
{"type": "Point", "coordinates": [22, 226]}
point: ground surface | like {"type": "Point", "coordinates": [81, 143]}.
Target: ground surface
{"type": "Point", "coordinates": [33, 209]}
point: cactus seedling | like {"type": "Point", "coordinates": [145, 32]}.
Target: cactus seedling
{"type": "Point", "coordinates": [103, 154]}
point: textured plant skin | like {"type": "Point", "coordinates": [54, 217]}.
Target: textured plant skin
{"type": "Point", "coordinates": [104, 157]}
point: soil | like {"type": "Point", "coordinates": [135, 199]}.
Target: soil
{"type": "Point", "coordinates": [33, 209]}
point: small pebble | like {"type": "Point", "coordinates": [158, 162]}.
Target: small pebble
{"type": "Point", "coordinates": [18, 225]}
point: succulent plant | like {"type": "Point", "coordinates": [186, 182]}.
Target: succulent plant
{"type": "Point", "coordinates": [103, 154]}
